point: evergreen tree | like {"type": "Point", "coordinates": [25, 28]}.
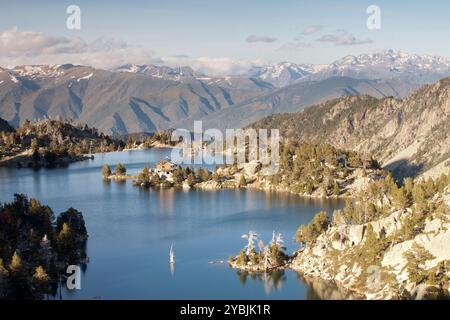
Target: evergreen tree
{"type": "Point", "coordinates": [242, 258]}
{"type": "Point", "coordinates": [106, 171]}
{"type": "Point", "coordinates": [191, 179]}
{"type": "Point", "coordinates": [416, 259]}
{"type": "Point", "coordinates": [309, 233]}
{"type": "Point", "coordinates": [336, 190]}
{"type": "Point", "coordinates": [40, 275]}
{"type": "Point", "coordinates": [178, 176]}
{"type": "Point", "coordinates": [34, 145]}
{"type": "Point", "coordinates": [144, 175]}
{"type": "Point", "coordinates": [400, 198]}
{"type": "Point", "coordinates": [155, 180]}
{"type": "Point", "coordinates": [3, 270]}
{"type": "Point", "coordinates": [16, 263]}
{"type": "Point", "coordinates": [242, 181]}
{"type": "Point", "coordinates": [120, 169]}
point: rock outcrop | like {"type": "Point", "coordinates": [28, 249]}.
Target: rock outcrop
{"type": "Point", "coordinates": [341, 255]}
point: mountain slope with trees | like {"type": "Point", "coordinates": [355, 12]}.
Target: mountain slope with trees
{"type": "Point", "coordinates": [390, 242]}
{"type": "Point", "coordinates": [36, 248]}
{"type": "Point", "coordinates": [409, 136]}
{"type": "Point", "coordinates": [52, 143]}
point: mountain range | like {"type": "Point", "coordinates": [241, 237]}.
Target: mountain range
{"type": "Point", "coordinates": [148, 98]}
{"type": "Point", "coordinates": [388, 64]}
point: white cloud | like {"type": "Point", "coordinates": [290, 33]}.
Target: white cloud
{"type": "Point", "coordinates": [343, 38]}
{"type": "Point", "coordinates": [311, 30]}
{"type": "Point", "coordinates": [253, 38]}
{"type": "Point", "coordinates": [29, 47]}
{"type": "Point", "coordinates": [216, 66]}
{"type": "Point", "coordinates": [14, 42]}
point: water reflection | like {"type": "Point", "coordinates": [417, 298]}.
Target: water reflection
{"type": "Point", "coordinates": [172, 269]}
{"type": "Point", "coordinates": [270, 280]}
{"type": "Point", "coordinates": [319, 289]}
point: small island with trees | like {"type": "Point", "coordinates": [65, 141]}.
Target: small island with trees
{"type": "Point", "coordinates": [267, 258]}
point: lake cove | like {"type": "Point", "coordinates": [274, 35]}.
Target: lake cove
{"type": "Point", "coordinates": [131, 231]}
{"type": "Point", "coordinates": [194, 310]}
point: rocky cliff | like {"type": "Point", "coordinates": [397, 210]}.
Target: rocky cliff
{"type": "Point", "coordinates": [383, 259]}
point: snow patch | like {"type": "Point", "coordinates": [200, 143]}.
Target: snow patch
{"type": "Point", "coordinates": [13, 78]}
{"type": "Point", "coordinates": [86, 77]}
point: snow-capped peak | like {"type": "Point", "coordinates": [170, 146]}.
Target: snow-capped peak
{"type": "Point", "coordinates": [382, 64]}
{"type": "Point", "coordinates": [39, 71]}
{"type": "Point", "coordinates": [391, 59]}
{"type": "Point", "coordinates": [282, 73]}
{"type": "Point", "coordinates": [163, 72]}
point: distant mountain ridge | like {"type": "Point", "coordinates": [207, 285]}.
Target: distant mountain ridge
{"type": "Point", "coordinates": [114, 102]}
{"type": "Point", "coordinates": [297, 96]}
{"type": "Point", "coordinates": [388, 64]}
{"type": "Point", "coordinates": [148, 98]}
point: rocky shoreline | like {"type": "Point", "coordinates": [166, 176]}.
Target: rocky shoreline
{"type": "Point", "coordinates": [257, 178]}
{"type": "Point", "coordinates": [340, 254]}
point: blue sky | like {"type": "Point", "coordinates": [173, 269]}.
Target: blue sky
{"type": "Point", "coordinates": [219, 29]}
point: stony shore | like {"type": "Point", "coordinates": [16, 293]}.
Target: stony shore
{"type": "Point", "coordinates": [334, 257]}
{"type": "Point", "coordinates": [258, 178]}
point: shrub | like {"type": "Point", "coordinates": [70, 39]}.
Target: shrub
{"type": "Point", "coordinates": [309, 233]}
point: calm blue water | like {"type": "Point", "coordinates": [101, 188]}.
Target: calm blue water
{"type": "Point", "coordinates": [130, 232]}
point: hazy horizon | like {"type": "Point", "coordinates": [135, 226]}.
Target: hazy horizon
{"type": "Point", "coordinates": [216, 37]}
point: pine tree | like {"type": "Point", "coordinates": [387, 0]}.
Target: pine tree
{"type": "Point", "coordinates": [416, 259]}
{"type": "Point", "coordinates": [143, 175]}
{"type": "Point", "coordinates": [34, 145]}
{"type": "Point", "coordinates": [178, 176]}
{"type": "Point", "coordinates": [120, 169]}
{"type": "Point", "coordinates": [242, 258]}
{"type": "Point", "coordinates": [3, 270]}
{"type": "Point", "coordinates": [155, 180]}
{"type": "Point", "coordinates": [409, 185]}
{"type": "Point", "coordinates": [65, 231]}
{"type": "Point", "coordinates": [16, 263]}
{"type": "Point", "coordinates": [242, 181]}
{"type": "Point", "coordinates": [400, 198]}
{"type": "Point", "coordinates": [349, 210]}
{"type": "Point", "coordinates": [336, 190]}
{"type": "Point", "coordinates": [309, 233]}
{"type": "Point", "coordinates": [106, 171]}
{"type": "Point", "coordinates": [309, 187]}
{"type": "Point", "coordinates": [191, 179]}
{"type": "Point", "coordinates": [40, 275]}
